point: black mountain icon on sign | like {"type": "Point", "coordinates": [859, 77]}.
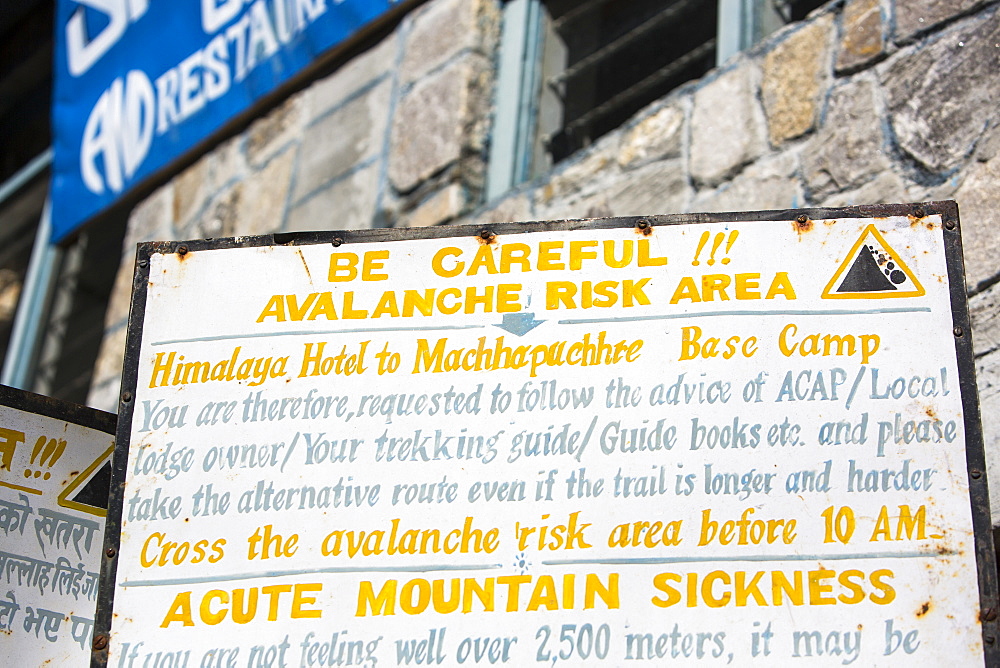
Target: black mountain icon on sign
{"type": "Point", "coordinates": [95, 492]}
{"type": "Point", "coordinates": [865, 275]}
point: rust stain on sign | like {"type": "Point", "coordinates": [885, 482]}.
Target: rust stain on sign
{"type": "Point", "coordinates": [302, 257]}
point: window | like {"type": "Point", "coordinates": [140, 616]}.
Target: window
{"type": "Point", "coordinates": [617, 57]}
{"type": "Point", "coordinates": [573, 70]}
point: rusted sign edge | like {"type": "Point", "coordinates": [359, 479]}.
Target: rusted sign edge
{"type": "Point", "coordinates": [975, 453]}
{"type": "Point", "coordinates": [57, 409]}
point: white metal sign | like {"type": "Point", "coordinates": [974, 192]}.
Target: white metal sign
{"type": "Point", "coordinates": [738, 442]}
{"type": "Point", "coordinates": [53, 500]}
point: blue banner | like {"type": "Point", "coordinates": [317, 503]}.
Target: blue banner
{"type": "Point", "coordinates": [139, 82]}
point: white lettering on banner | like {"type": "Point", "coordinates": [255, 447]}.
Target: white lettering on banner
{"type": "Point", "coordinates": [119, 131]}
{"type": "Point", "coordinates": [82, 52]}
{"type": "Point", "coordinates": [216, 13]}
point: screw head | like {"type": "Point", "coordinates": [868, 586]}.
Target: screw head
{"type": "Point", "coordinates": [126, 397]}
{"type": "Point", "coordinates": [182, 250]}
{"type": "Point", "coordinates": [990, 640]}
{"type": "Point", "coordinates": [485, 234]}
{"type": "Point", "coordinates": [143, 263]}
{"type": "Point", "coordinates": [958, 331]}
{"type": "Point", "coordinates": [100, 642]}
{"type": "Point", "coordinates": [642, 224]}
{"type": "Point", "coordinates": [949, 224]}
{"type": "Point", "coordinates": [919, 212]}
{"type": "Point", "coordinates": [976, 474]}
{"type": "Point", "coordinates": [110, 552]}
{"type": "Point", "coordinates": [337, 241]}
{"type": "Point", "coordinates": [802, 219]}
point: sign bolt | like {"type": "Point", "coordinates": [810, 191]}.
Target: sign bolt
{"type": "Point", "coordinates": [110, 552]}
{"type": "Point", "coordinates": [958, 331]}
{"type": "Point", "coordinates": [182, 250]}
{"type": "Point", "coordinates": [976, 474]}
{"type": "Point", "coordinates": [100, 642]}
{"type": "Point", "coordinates": [949, 224]}
{"type": "Point", "coordinates": [127, 397]}
{"type": "Point", "coordinates": [337, 241]}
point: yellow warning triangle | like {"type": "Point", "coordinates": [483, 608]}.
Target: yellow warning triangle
{"type": "Point", "coordinates": [872, 270]}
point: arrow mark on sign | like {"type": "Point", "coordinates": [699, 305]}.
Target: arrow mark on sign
{"type": "Point", "coordinates": [519, 324]}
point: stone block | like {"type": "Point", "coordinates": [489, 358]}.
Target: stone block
{"type": "Point", "coordinates": [795, 80]}
{"type": "Point", "coordinates": [261, 209]}
{"type": "Point", "coordinates": [104, 396]}
{"type": "Point", "coordinates": [727, 126]}
{"type": "Point", "coordinates": [941, 97]}
{"type": "Point", "coordinates": [850, 146]}
{"type": "Point", "coordinates": [219, 219]}
{"type": "Point", "coordinates": [120, 299]}
{"type": "Point", "coordinates": [577, 205]}
{"type": "Point", "coordinates": [886, 188]}
{"type": "Point", "coordinates": [270, 134]}
{"type": "Point", "coordinates": [442, 116]}
{"type": "Point", "coordinates": [444, 28]}
{"type": "Point", "coordinates": [190, 192]}
{"type": "Point", "coordinates": [440, 207]}
{"type": "Point", "coordinates": [151, 219]}
{"type": "Point", "coordinates": [357, 73]}
{"type": "Point", "coordinates": [916, 16]}
{"type": "Point", "coordinates": [582, 173]}
{"type": "Point", "coordinates": [339, 142]}
{"type": "Point", "coordinates": [654, 137]}
{"type": "Point", "coordinates": [348, 204]}
{"type": "Point", "coordinates": [861, 38]}
{"type": "Point", "coordinates": [984, 310]}
{"type": "Point", "coordinates": [989, 145]}
{"type": "Point", "coordinates": [658, 188]}
{"type": "Point", "coordinates": [110, 356]}
{"type": "Point", "coordinates": [226, 163]}
{"type": "Point", "coordinates": [769, 183]}
{"type": "Point", "coordinates": [977, 198]}
{"type": "Point", "coordinates": [516, 208]}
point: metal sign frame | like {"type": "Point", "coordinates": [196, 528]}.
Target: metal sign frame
{"type": "Point", "coordinates": [948, 210]}
{"type": "Point", "coordinates": [69, 413]}
{"type": "Point", "coordinates": [29, 402]}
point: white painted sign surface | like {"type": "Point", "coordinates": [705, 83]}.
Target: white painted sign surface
{"type": "Point", "coordinates": [50, 537]}
{"type": "Point", "coordinates": [713, 444]}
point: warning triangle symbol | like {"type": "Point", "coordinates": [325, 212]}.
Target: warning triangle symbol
{"type": "Point", "coordinates": [872, 270]}
{"type": "Point", "coordinates": [88, 492]}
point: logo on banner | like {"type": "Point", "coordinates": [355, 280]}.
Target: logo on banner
{"type": "Point", "coordinates": [83, 48]}
{"type": "Point", "coordinates": [872, 270]}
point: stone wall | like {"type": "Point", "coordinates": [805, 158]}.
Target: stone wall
{"type": "Point", "coordinates": [867, 101]}
{"type": "Point", "coordinates": [396, 136]}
